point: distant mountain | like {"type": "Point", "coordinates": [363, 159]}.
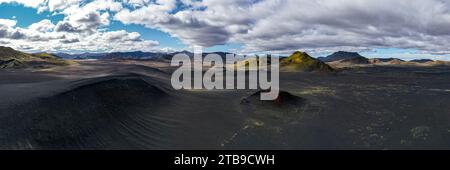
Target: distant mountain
{"type": "Point", "coordinates": [221, 54]}
{"type": "Point", "coordinates": [80, 56]}
{"type": "Point", "coordinates": [114, 55]}
{"type": "Point", "coordinates": [385, 60]}
{"type": "Point", "coordinates": [136, 55]}
{"type": "Point", "coordinates": [301, 61]}
{"type": "Point", "coordinates": [421, 61]}
{"type": "Point", "coordinates": [350, 57]}
{"type": "Point", "coordinates": [394, 61]}
{"type": "Point", "coordinates": [188, 53]}
{"type": "Point", "coordinates": [356, 60]}
{"type": "Point", "coordinates": [131, 55]}
{"type": "Point", "coordinates": [10, 58]}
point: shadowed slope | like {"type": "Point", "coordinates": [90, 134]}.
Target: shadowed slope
{"type": "Point", "coordinates": [113, 112]}
{"type": "Point", "coordinates": [12, 63]}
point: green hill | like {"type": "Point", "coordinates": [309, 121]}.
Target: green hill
{"type": "Point", "coordinates": [51, 59]}
{"type": "Point", "coordinates": [10, 58]}
{"type": "Point", "coordinates": [7, 53]}
{"type": "Point", "coordinates": [46, 56]}
{"type": "Point", "coordinates": [301, 61]}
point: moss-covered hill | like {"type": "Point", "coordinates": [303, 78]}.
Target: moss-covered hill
{"type": "Point", "coordinates": [7, 53]}
{"type": "Point", "coordinates": [301, 61]}
{"type": "Point", "coordinates": [10, 58]}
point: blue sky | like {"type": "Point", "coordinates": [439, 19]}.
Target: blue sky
{"type": "Point", "coordinates": [239, 26]}
{"type": "Point", "coordinates": [25, 16]}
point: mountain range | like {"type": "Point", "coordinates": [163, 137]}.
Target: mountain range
{"type": "Point", "coordinates": [10, 58]}
{"type": "Point", "coordinates": [340, 55]}
{"type": "Point", "coordinates": [138, 55]}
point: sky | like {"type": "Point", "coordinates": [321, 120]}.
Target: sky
{"type": "Point", "coordinates": [406, 29]}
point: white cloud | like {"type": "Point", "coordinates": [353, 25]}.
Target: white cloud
{"type": "Point", "coordinates": [83, 21]}
{"type": "Point", "coordinates": [97, 5]}
{"type": "Point", "coordinates": [42, 26]}
{"type": "Point", "coordinates": [122, 35]}
{"type": "Point", "coordinates": [54, 5]}
{"type": "Point", "coordinates": [8, 22]}
{"type": "Point", "coordinates": [137, 3]}
{"type": "Point", "coordinates": [88, 17]}
{"type": "Point", "coordinates": [97, 42]}
{"type": "Point", "coordinates": [27, 3]}
{"type": "Point", "coordinates": [7, 30]}
{"type": "Point", "coordinates": [43, 36]}
{"type": "Point", "coordinates": [82, 29]}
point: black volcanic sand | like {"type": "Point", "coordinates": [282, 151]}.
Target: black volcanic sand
{"type": "Point", "coordinates": [101, 105]}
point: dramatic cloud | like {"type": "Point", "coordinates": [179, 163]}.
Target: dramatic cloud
{"type": "Point", "coordinates": [88, 17]}
{"type": "Point", "coordinates": [286, 25]}
{"type": "Point", "coordinates": [186, 25]}
{"type": "Point", "coordinates": [340, 23]}
{"type": "Point", "coordinates": [260, 25]}
{"type": "Point", "coordinates": [83, 22]}
{"type": "Point", "coordinates": [8, 32]}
